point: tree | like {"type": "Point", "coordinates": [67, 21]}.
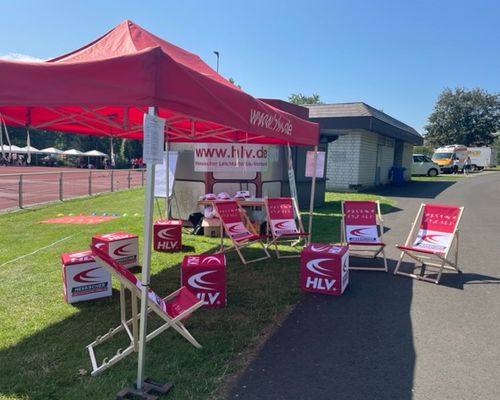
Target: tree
{"type": "Point", "coordinates": [300, 99]}
{"type": "Point", "coordinates": [463, 116]}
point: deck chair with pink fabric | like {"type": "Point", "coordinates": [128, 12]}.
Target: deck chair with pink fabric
{"type": "Point", "coordinates": [284, 223]}
{"type": "Point", "coordinates": [362, 229]}
{"type": "Point", "coordinates": [172, 310]}
{"type": "Point", "coordinates": [433, 242]}
{"type": "Point", "coordinates": [238, 229]}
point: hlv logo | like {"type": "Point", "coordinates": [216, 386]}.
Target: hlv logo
{"type": "Point", "coordinates": [164, 234]}
{"type": "Point", "coordinates": [433, 239]}
{"type": "Point", "coordinates": [320, 249]}
{"type": "Point", "coordinates": [83, 256]}
{"type": "Point", "coordinates": [84, 277]}
{"type": "Point", "coordinates": [237, 228]}
{"type": "Point", "coordinates": [197, 281]}
{"type": "Point", "coordinates": [167, 245]}
{"type": "Point", "coordinates": [362, 233]}
{"type": "Point", "coordinates": [209, 298]}
{"type": "Point", "coordinates": [320, 283]}
{"type": "Point", "coordinates": [121, 251]}
{"type": "Point", "coordinates": [286, 226]}
{"type": "Point", "coordinates": [283, 225]}
{"type": "Point", "coordinates": [211, 259]}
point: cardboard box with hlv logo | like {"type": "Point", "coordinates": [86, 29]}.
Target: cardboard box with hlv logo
{"type": "Point", "coordinates": [324, 268]}
{"type": "Point", "coordinates": [121, 246]}
{"type": "Point", "coordinates": [83, 278]}
{"type": "Point", "coordinates": [205, 276]}
{"type": "Point", "coordinates": [167, 235]}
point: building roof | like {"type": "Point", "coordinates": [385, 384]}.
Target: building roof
{"type": "Point", "coordinates": [349, 116]}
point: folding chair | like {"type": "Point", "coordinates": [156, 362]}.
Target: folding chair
{"type": "Point", "coordinates": [238, 228]}
{"type": "Point", "coordinates": [431, 245]}
{"type": "Point", "coordinates": [283, 220]}
{"type": "Point", "coordinates": [362, 229]}
{"type": "Point", "coordinates": [172, 309]}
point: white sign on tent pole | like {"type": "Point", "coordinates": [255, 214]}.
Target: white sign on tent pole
{"type": "Point", "coordinates": [161, 175]}
{"type": "Point", "coordinates": [291, 176]}
{"type": "Point", "coordinates": [320, 164]}
{"type": "Point", "coordinates": [152, 151]}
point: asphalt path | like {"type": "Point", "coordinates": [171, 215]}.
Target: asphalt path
{"type": "Point", "coordinates": [392, 337]}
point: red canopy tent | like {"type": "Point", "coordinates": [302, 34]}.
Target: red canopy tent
{"type": "Point", "coordinates": [106, 87]}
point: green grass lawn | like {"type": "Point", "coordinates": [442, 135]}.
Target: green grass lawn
{"type": "Point", "coordinates": [443, 177]}
{"type": "Point", "coordinates": [43, 339]}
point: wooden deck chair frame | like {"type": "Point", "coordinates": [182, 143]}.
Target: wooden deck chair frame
{"type": "Point", "coordinates": [365, 249]}
{"type": "Point", "coordinates": [433, 259]}
{"type": "Point", "coordinates": [294, 238]}
{"type": "Point", "coordinates": [239, 245]}
{"type": "Point", "coordinates": [131, 324]}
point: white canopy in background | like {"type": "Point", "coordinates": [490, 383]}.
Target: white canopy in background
{"type": "Point", "coordinates": [12, 149]}
{"type": "Point", "coordinates": [72, 152]}
{"type": "Point", "coordinates": [30, 149]}
{"type": "Point", "coordinates": [51, 150]}
{"type": "Point", "coordinates": [95, 153]}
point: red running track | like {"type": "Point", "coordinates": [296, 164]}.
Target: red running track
{"type": "Point", "coordinates": [44, 184]}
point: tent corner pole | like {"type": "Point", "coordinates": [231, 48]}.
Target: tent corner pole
{"type": "Point", "coordinates": [146, 265]}
{"type": "Point", "coordinates": [167, 197]}
{"type": "Point", "coordinates": [313, 190]}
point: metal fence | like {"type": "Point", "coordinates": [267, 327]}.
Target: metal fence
{"type": "Point", "coordinates": [19, 190]}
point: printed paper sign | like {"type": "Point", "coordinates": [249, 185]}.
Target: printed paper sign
{"type": "Point", "coordinates": [320, 164]}
{"type": "Point", "coordinates": [152, 151]}
{"type": "Point", "coordinates": [216, 157]}
{"type": "Point", "coordinates": [161, 175]}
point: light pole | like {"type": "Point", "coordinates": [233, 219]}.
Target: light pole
{"type": "Point", "coordinates": [217, 54]}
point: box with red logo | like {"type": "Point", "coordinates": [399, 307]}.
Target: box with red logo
{"type": "Point", "coordinates": [324, 268]}
{"type": "Point", "coordinates": [83, 278]}
{"type": "Point", "coordinates": [121, 246]}
{"type": "Point", "coordinates": [205, 276]}
{"type": "Point", "coordinates": [167, 235]}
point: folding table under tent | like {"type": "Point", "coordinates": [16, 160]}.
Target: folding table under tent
{"type": "Point", "coordinates": [106, 87]}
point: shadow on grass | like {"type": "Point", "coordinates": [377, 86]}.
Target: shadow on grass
{"type": "Point", "coordinates": [46, 364]}
{"type": "Point", "coordinates": [356, 346]}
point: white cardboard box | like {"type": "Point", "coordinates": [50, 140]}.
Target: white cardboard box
{"type": "Point", "coordinates": [83, 278]}
{"type": "Point", "coordinates": [120, 246]}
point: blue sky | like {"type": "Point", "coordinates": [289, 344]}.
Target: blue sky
{"type": "Point", "coordinates": [394, 55]}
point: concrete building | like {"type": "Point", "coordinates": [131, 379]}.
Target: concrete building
{"type": "Point", "coordinates": [365, 144]}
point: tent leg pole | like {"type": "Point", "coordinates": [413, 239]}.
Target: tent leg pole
{"type": "Point", "coordinates": [313, 190]}
{"type": "Point", "coordinates": [167, 198]}
{"type": "Point", "coordinates": [146, 263]}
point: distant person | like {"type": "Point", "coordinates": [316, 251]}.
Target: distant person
{"type": "Point", "coordinates": [456, 163]}
{"type": "Point", "coordinates": [13, 159]}
{"type": "Point", "coordinates": [467, 165]}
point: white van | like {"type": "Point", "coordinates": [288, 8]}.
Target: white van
{"type": "Point", "coordinates": [445, 155]}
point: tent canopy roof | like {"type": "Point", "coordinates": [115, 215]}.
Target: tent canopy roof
{"type": "Point", "coordinates": [31, 149]}
{"type": "Point", "coordinates": [94, 153]}
{"type": "Point", "coordinates": [105, 87]}
{"type": "Point", "coordinates": [72, 152]}
{"type": "Point", "coordinates": [51, 150]}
